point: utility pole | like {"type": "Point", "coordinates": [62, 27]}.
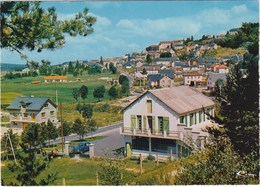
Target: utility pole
{"type": "Point", "coordinates": [11, 146]}
{"type": "Point", "coordinates": [61, 123]}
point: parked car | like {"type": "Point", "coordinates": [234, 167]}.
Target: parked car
{"type": "Point", "coordinates": [81, 147]}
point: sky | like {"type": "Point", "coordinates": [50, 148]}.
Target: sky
{"type": "Point", "coordinates": [127, 26]}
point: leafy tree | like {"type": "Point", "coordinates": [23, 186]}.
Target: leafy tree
{"type": "Point", "coordinates": [99, 92]}
{"type": "Point", "coordinates": [67, 129]}
{"type": "Point", "coordinates": [5, 142]}
{"type": "Point", "coordinates": [125, 89]}
{"type": "Point", "coordinates": [50, 131]}
{"type": "Point", "coordinates": [148, 59]}
{"type": "Point", "coordinates": [92, 126]}
{"type": "Point", "coordinates": [113, 173]}
{"type": "Point", "coordinates": [80, 128]}
{"type": "Point", "coordinates": [166, 55]}
{"type": "Point", "coordinates": [83, 92]}
{"type": "Point", "coordinates": [75, 73]}
{"type": "Point", "coordinates": [26, 25]}
{"type": "Point", "coordinates": [112, 92]}
{"type": "Point", "coordinates": [33, 136]}
{"type": "Point", "coordinates": [76, 94]}
{"type": "Point", "coordinates": [86, 111]}
{"type": "Point", "coordinates": [144, 72]}
{"type": "Point", "coordinates": [57, 70]}
{"type": "Point", "coordinates": [112, 68]}
{"type": "Point", "coordinates": [123, 78]}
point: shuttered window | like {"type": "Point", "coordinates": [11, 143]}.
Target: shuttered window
{"type": "Point", "coordinates": [181, 119]}
{"type": "Point", "coordinates": [200, 117]}
{"type": "Point", "coordinates": [133, 121]}
{"type": "Point", "coordinates": [144, 122]}
{"type": "Point", "coordinates": [149, 106]}
{"type": "Point", "coordinates": [166, 123]}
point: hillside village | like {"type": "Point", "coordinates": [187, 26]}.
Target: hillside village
{"type": "Point", "coordinates": [144, 118]}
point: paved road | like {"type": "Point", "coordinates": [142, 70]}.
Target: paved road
{"type": "Point", "coordinates": [97, 132]}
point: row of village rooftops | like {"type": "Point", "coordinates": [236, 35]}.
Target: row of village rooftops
{"type": "Point", "coordinates": [159, 121]}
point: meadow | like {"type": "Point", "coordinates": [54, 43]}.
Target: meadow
{"type": "Point", "coordinates": [80, 171]}
{"type": "Point", "coordinates": [10, 89]}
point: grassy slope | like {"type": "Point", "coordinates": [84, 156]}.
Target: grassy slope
{"type": "Point", "coordinates": [78, 172]}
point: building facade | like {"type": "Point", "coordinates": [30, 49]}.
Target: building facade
{"type": "Point", "coordinates": [25, 110]}
{"type": "Point", "coordinates": [161, 121]}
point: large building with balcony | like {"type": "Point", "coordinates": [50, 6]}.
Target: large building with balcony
{"type": "Point", "coordinates": [25, 110]}
{"type": "Point", "coordinates": [166, 122]}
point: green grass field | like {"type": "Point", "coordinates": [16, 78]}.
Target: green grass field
{"type": "Point", "coordinates": [78, 171]}
{"type": "Point", "coordinates": [10, 89]}
{"type": "Point", "coordinates": [22, 86]}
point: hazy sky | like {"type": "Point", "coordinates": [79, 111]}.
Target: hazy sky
{"type": "Point", "coordinates": [125, 27]}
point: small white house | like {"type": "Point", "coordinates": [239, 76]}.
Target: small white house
{"type": "Point", "coordinates": [25, 110]}
{"type": "Point", "coordinates": [192, 79]}
{"type": "Point", "coordinates": [163, 121]}
{"type": "Point", "coordinates": [213, 77]}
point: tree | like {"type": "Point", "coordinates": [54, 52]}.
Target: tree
{"type": "Point", "coordinates": [50, 131]}
{"type": "Point", "coordinates": [67, 129]}
{"type": "Point", "coordinates": [112, 68]}
{"type": "Point", "coordinates": [33, 136]}
{"type": "Point", "coordinates": [76, 94]}
{"type": "Point", "coordinates": [218, 164]}
{"type": "Point", "coordinates": [5, 142]}
{"type": "Point", "coordinates": [238, 98]}
{"type": "Point", "coordinates": [113, 173]}
{"type": "Point", "coordinates": [144, 72]}
{"type": "Point", "coordinates": [92, 125]}
{"type": "Point", "coordinates": [148, 59]}
{"type": "Point", "coordinates": [166, 55]}
{"type": "Point", "coordinates": [28, 168]}
{"type": "Point", "coordinates": [26, 25]}
{"type": "Point", "coordinates": [112, 92]}
{"type": "Point", "coordinates": [83, 92]}
{"type": "Point", "coordinates": [70, 68]}
{"type": "Point", "coordinates": [86, 111]}
{"type": "Point", "coordinates": [80, 128]}
{"type": "Point", "coordinates": [101, 61]}
{"type": "Point", "coordinates": [99, 92]}
{"type": "Point", "coordinates": [122, 78]}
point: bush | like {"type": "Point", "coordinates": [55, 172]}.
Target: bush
{"type": "Point", "coordinates": [150, 157]}
{"type": "Point", "coordinates": [102, 108]}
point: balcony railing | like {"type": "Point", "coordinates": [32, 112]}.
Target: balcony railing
{"type": "Point", "coordinates": [150, 133]}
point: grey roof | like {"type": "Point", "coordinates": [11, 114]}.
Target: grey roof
{"type": "Point", "coordinates": [168, 72]}
{"type": "Point", "coordinates": [31, 103]}
{"type": "Point", "coordinates": [181, 99]}
{"type": "Point", "coordinates": [154, 77]}
{"type": "Point", "coordinates": [213, 77]}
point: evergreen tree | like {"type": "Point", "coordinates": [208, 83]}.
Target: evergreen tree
{"type": "Point", "coordinates": [112, 92]}
{"type": "Point", "coordinates": [76, 94]}
{"type": "Point", "coordinates": [83, 92]}
{"type": "Point", "coordinates": [26, 25]}
{"type": "Point", "coordinates": [112, 68]}
{"type": "Point", "coordinates": [99, 92]}
{"type": "Point", "coordinates": [148, 59]}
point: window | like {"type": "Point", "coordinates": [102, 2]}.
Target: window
{"type": "Point", "coordinates": [33, 115]}
{"type": "Point", "coordinates": [200, 113]}
{"type": "Point", "coordinates": [15, 114]}
{"type": "Point", "coordinates": [46, 105]}
{"type": "Point", "coordinates": [181, 119]}
{"type": "Point", "coordinates": [25, 115]}
{"type": "Point", "coordinates": [191, 119]}
{"type": "Point", "coordinates": [52, 113]}
{"type": "Point", "coordinates": [160, 123]}
{"type": "Point", "coordinates": [195, 117]}
{"type": "Point", "coordinates": [139, 121]}
{"type": "Point", "coordinates": [133, 122]}
{"type": "Point", "coordinates": [43, 114]}
{"type": "Point", "coordinates": [149, 106]}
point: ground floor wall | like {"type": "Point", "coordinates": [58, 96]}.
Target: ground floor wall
{"type": "Point", "coordinates": [163, 148]}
